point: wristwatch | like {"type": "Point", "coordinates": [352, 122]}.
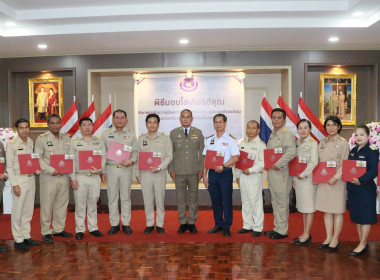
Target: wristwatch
{"type": "Point", "coordinates": [159, 169]}
{"type": "Point", "coordinates": [224, 168]}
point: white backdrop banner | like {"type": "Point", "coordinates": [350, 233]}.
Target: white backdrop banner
{"type": "Point", "coordinates": [204, 94]}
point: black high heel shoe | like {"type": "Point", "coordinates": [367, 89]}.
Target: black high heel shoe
{"type": "Point", "coordinates": [300, 243]}
{"type": "Point", "coordinates": [332, 249]}
{"type": "Point", "coordinates": [362, 252]}
{"type": "Point", "coordinates": [323, 246]}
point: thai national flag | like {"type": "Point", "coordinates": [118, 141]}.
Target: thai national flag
{"type": "Point", "coordinates": [103, 121]}
{"type": "Point", "coordinates": [291, 118]}
{"type": "Point", "coordinates": [318, 132]}
{"type": "Point", "coordinates": [266, 126]}
{"type": "Point", "coordinates": [69, 119]}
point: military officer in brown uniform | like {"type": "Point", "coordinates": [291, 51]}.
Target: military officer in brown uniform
{"type": "Point", "coordinates": [54, 187]}
{"type": "Point", "coordinates": [280, 183]}
{"type": "Point", "coordinates": [119, 174]}
{"type": "Point", "coordinates": [86, 183]}
{"type": "Point", "coordinates": [186, 169]}
{"type": "Point", "coordinates": [3, 178]}
{"type": "Point", "coordinates": [23, 187]}
{"type": "Point", "coordinates": [153, 182]}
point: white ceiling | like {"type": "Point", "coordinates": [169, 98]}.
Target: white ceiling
{"type": "Point", "coordinates": [122, 26]}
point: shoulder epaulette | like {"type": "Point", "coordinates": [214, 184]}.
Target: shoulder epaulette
{"type": "Point", "coordinates": [232, 135]}
{"type": "Point", "coordinates": [44, 134]}
{"type": "Point", "coordinates": [108, 128]}
{"type": "Point", "coordinates": [312, 139]}
{"type": "Point", "coordinates": [12, 141]}
{"type": "Point", "coordinates": [75, 138]}
{"type": "Point", "coordinates": [141, 135]}
{"type": "Point", "coordinates": [341, 138]}
{"type": "Point", "coordinates": [262, 142]}
{"type": "Point", "coordinates": [163, 133]}
{"type": "Point", "coordinates": [196, 128]}
{"type": "Point", "coordinates": [99, 138]}
{"type": "Point", "coordinates": [210, 136]}
{"type": "Point", "coordinates": [284, 129]}
{"type": "Point", "coordinates": [130, 130]}
{"type": "Point", "coordinates": [373, 148]}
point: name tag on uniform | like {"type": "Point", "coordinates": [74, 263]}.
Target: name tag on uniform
{"type": "Point", "coordinates": [111, 136]}
{"type": "Point", "coordinates": [79, 145]}
{"type": "Point", "coordinates": [50, 144]}
{"type": "Point", "coordinates": [302, 160]}
{"type": "Point", "coordinates": [278, 150]}
{"type": "Point", "coordinates": [225, 144]}
{"type": "Point", "coordinates": [331, 164]}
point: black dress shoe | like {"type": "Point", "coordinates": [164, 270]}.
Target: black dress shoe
{"type": "Point", "coordinates": [127, 229]}
{"type": "Point", "coordinates": [63, 234]}
{"type": "Point", "coordinates": [3, 249]}
{"type": "Point", "coordinates": [332, 249]}
{"type": "Point", "coordinates": [96, 233]}
{"type": "Point", "coordinates": [277, 235]}
{"type": "Point", "coordinates": [79, 236]}
{"type": "Point", "coordinates": [300, 243]}
{"type": "Point", "coordinates": [215, 230]}
{"type": "Point", "coordinates": [323, 246]}
{"type": "Point", "coordinates": [193, 228]}
{"type": "Point", "coordinates": [31, 242]}
{"type": "Point", "coordinates": [160, 230]}
{"type": "Point", "coordinates": [296, 239]}
{"type": "Point", "coordinates": [48, 238]}
{"type": "Point", "coordinates": [243, 230]}
{"type": "Point", "coordinates": [226, 232]}
{"type": "Point", "coordinates": [269, 233]}
{"type": "Point", "coordinates": [182, 228]}
{"type": "Point", "coordinates": [21, 246]}
{"type": "Point", "coordinates": [148, 230]}
{"type": "Point", "coordinates": [362, 252]}
{"type": "Point", "coordinates": [256, 233]}
{"type": "Point", "coordinates": [113, 230]}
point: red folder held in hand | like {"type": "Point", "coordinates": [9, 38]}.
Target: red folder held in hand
{"type": "Point", "coordinates": [29, 163]}
{"type": "Point", "coordinates": [2, 162]}
{"type": "Point", "coordinates": [90, 159]}
{"type": "Point", "coordinates": [118, 152]}
{"type": "Point", "coordinates": [297, 166]}
{"type": "Point", "coordinates": [271, 156]}
{"type": "Point", "coordinates": [353, 169]}
{"type": "Point", "coordinates": [63, 163]}
{"type": "Point", "coordinates": [246, 161]}
{"type": "Point", "coordinates": [213, 159]}
{"type": "Point", "coordinates": [147, 160]}
{"type": "Point", "coordinates": [324, 171]}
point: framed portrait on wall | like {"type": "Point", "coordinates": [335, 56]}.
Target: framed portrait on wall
{"type": "Point", "coordinates": [337, 96]}
{"type": "Point", "coordinates": [45, 98]}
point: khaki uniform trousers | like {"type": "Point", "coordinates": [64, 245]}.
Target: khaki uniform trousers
{"type": "Point", "coordinates": [23, 207]}
{"type": "Point", "coordinates": [153, 189]}
{"type": "Point", "coordinates": [119, 185]}
{"type": "Point", "coordinates": [86, 196]}
{"type": "Point", "coordinates": [54, 198]}
{"type": "Point", "coordinates": [280, 184]}
{"type": "Point", "coordinates": [187, 193]}
{"type": "Point", "coordinates": [251, 188]}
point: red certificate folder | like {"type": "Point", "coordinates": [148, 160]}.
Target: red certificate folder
{"type": "Point", "coordinates": [2, 162]}
{"type": "Point", "coordinates": [29, 163]}
{"type": "Point", "coordinates": [213, 159]}
{"type": "Point", "coordinates": [324, 171]}
{"type": "Point", "coordinates": [246, 161]}
{"type": "Point", "coordinates": [297, 166]}
{"type": "Point", "coordinates": [271, 156]}
{"type": "Point", "coordinates": [353, 169]}
{"type": "Point", "coordinates": [63, 163]}
{"type": "Point", "coordinates": [147, 160]}
{"type": "Point", "coordinates": [118, 152]}
{"type": "Point", "coordinates": [90, 159]}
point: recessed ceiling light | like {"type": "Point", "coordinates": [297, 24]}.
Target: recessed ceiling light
{"type": "Point", "coordinates": [10, 24]}
{"type": "Point", "coordinates": [333, 39]}
{"type": "Point", "coordinates": [358, 14]}
{"type": "Point", "coordinates": [42, 46]}
{"type": "Point", "coordinates": [184, 41]}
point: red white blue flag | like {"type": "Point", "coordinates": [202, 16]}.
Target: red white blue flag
{"type": "Point", "coordinates": [266, 126]}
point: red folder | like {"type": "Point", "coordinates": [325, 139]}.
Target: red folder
{"type": "Point", "coordinates": [63, 163]}
{"type": "Point", "coordinates": [323, 173]}
{"type": "Point", "coordinates": [89, 159]}
{"type": "Point", "coordinates": [118, 152]}
{"type": "Point", "coordinates": [353, 169]}
{"type": "Point", "coordinates": [147, 160]}
{"type": "Point", "coordinates": [296, 166]}
{"type": "Point", "coordinates": [271, 156]}
{"type": "Point", "coordinates": [29, 163]}
{"type": "Point", "coordinates": [246, 161]}
{"type": "Point", "coordinates": [213, 159]}
{"type": "Point", "coordinates": [2, 161]}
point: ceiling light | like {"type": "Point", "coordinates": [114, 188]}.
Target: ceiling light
{"type": "Point", "coordinates": [358, 14]}
{"type": "Point", "coordinates": [42, 46]}
{"type": "Point", "coordinates": [10, 24]}
{"type": "Point", "coordinates": [184, 41]}
{"type": "Point", "coordinates": [333, 39]}
{"type": "Point", "coordinates": [189, 74]}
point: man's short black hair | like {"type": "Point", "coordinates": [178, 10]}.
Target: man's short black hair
{"type": "Point", "coordinates": [152, 116]}
{"type": "Point", "coordinates": [84, 119]}
{"type": "Point", "coordinates": [187, 110]}
{"type": "Point", "coordinates": [279, 110]}
{"type": "Point", "coordinates": [53, 116]}
{"type": "Point", "coordinates": [220, 115]}
{"type": "Point", "coordinates": [21, 121]}
{"type": "Point", "coordinates": [119, 111]}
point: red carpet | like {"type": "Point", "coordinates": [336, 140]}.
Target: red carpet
{"type": "Point", "coordinates": [205, 222]}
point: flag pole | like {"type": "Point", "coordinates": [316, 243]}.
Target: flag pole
{"type": "Point", "coordinates": [300, 94]}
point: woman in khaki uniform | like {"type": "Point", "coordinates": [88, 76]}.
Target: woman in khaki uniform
{"type": "Point", "coordinates": [307, 150]}
{"type": "Point", "coordinates": [331, 196]}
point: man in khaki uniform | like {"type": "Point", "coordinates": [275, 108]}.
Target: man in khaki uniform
{"type": "Point", "coordinates": [86, 183]}
{"type": "Point", "coordinates": [186, 169]}
{"type": "Point", "coordinates": [280, 183]}
{"type": "Point", "coordinates": [23, 187]}
{"type": "Point", "coordinates": [3, 178]}
{"type": "Point", "coordinates": [153, 182]}
{"type": "Point", "coordinates": [119, 174]}
{"type": "Point", "coordinates": [54, 187]}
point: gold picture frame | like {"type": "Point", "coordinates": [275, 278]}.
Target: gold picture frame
{"type": "Point", "coordinates": [45, 98]}
{"type": "Point", "coordinates": [337, 96]}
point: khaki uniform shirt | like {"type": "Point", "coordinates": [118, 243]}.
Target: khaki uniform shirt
{"type": "Point", "coordinates": [187, 151]}
{"type": "Point", "coordinates": [308, 149]}
{"type": "Point", "coordinates": [284, 139]}
{"type": "Point", "coordinates": [79, 144]}
{"type": "Point", "coordinates": [161, 144]}
{"type": "Point", "coordinates": [47, 144]}
{"type": "Point", "coordinates": [125, 137]}
{"type": "Point", "coordinates": [255, 147]}
{"type": "Point", "coordinates": [14, 148]}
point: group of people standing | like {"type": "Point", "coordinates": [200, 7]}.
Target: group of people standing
{"type": "Point", "coordinates": [182, 156]}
